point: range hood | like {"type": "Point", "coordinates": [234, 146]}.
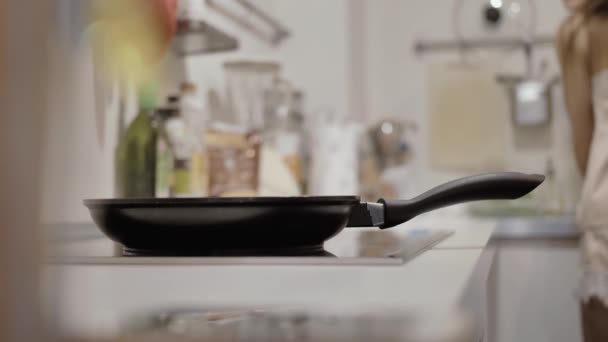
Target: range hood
{"type": "Point", "coordinates": [195, 37]}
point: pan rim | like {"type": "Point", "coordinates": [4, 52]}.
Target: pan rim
{"type": "Point", "coordinates": [218, 201]}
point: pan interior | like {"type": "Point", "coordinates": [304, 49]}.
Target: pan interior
{"type": "Point", "coordinates": [221, 201]}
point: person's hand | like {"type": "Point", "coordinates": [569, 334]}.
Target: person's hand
{"type": "Point", "coordinates": [574, 5]}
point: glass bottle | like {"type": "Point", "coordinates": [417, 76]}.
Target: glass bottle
{"type": "Point", "coordinates": [164, 154]}
{"type": "Point", "coordinates": [136, 151]}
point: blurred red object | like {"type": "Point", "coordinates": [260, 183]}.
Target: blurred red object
{"type": "Point", "coordinates": [168, 9]}
{"type": "Point", "coordinates": [133, 36]}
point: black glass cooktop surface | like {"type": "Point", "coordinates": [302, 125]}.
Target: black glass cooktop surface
{"type": "Point", "coordinates": [352, 246]}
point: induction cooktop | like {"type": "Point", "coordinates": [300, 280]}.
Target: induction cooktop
{"type": "Point", "coordinates": [351, 247]}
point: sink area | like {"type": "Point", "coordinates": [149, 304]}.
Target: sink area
{"type": "Point", "coordinates": [525, 219]}
{"type": "Point", "coordinates": [536, 227]}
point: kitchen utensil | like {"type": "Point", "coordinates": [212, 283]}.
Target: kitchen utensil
{"type": "Point", "coordinates": [395, 158]}
{"type": "Point", "coordinates": [190, 226]}
{"type": "Point", "coordinates": [494, 18]}
{"type": "Point", "coordinates": [334, 159]}
{"type": "Point", "coordinates": [246, 82]}
{"type": "Point", "coordinates": [530, 97]}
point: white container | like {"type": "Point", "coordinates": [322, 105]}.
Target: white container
{"type": "Point", "coordinates": [334, 164]}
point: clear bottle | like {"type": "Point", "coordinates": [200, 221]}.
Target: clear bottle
{"type": "Point", "coordinates": [196, 117]}
{"type": "Point", "coordinates": [164, 155]}
{"type": "Point", "coordinates": [136, 150]}
{"type": "Point", "coordinates": [182, 144]}
{"type": "Point", "coordinates": [283, 130]}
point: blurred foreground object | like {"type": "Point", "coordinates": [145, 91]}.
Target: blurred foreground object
{"type": "Point", "coordinates": [303, 325]}
{"type": "Point", "coordinates": [131, 37]}
{"type": "Point", "coordinates": [23, 62]}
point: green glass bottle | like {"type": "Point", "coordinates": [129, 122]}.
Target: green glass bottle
{"type": "Point", "coordinates": [136, 150]}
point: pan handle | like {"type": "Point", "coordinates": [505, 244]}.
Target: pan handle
{"type": "Point", "coordinates": [488, 186]}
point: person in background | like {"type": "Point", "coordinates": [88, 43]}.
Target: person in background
{"type": "Point", "coordinates": [582, 45]}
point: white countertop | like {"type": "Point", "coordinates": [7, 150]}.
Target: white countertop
{"type": "Point", "coordinates": [94, 297]}
{"type": "Point", "coordinates": [469, 232]}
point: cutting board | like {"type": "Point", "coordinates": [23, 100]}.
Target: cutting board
{"type": "Point", "coordinates": [467, 118]}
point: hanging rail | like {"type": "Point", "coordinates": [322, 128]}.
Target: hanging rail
{"type": "Point", "coordinates": [422, 47]}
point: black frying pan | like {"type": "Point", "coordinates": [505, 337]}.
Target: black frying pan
{"type": "Point", "coordinates": [290, 224]}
